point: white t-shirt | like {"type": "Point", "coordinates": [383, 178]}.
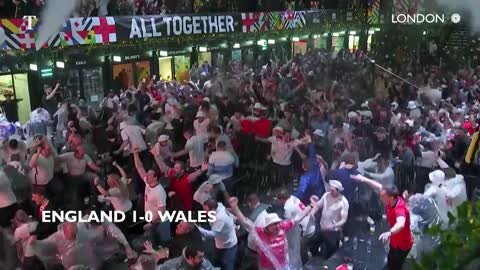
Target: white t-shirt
{"type": "Point", "coordinates": [224, 226]}
{"type": "Point", "coordinates": [43, 172]}
{"type": "Point", "coordinates": [155, 198]}
{"type": "Point", "coordinates": [134, 136]}
{"type": "Point", "coordinates": [333, 209]}
{"type": "Point", "coordinates": [76, 167]}
{"type": "Point", "coordinates": [201, 129]}
{"type": "Point", "coordinates": [282, 151]}
{"type": "Point", "coordinates": [196, 150]}
{"type": "Point", "coordinates": [119, 202]}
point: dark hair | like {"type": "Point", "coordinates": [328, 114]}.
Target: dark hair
{"type": "Point", "coordinates": [349, 159]}
{"type": "Point", "coordinates": [132, 109]}
{"type": "Point", "coordinates": [191, 251]}
{"type": "Point", "coordinates": [391, 190]}
{"type": "Point", "coordinates": [188, 129]}
{"type": "Point", "coordinates": [283, 194]}
{"type": "Point", "coordinates": [40, 190]}
{"type": "Point", "coordinates": [221, 144]}
{"type": "Point", "coordinates": [211, 203]}
{"type": "Point", "coordinates": [15, 157]}
{"type": "Point", "coordinates": [13, 144]}
{"type": "Point", "coordinates": [216, 129]}
{"type": "Point", "coordinates": [110, 134]}
{"type": "Point", "coordinates": [253, 198]}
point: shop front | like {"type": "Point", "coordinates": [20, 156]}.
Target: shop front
{"type": "Point", "coordinates": [130, 70]}
{"type": "Point", "coordinates": [15, 96]}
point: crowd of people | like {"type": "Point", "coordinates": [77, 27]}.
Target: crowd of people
{"type": "Point", "coordinates": [93, 8]}
{"type": "Point", "coordinates": [165, 146]}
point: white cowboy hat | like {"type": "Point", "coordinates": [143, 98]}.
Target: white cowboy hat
{"type": "Point", "coordinates": [351, 115]}
{"type": "Point", "coordinates": [271, 218]}
{"type": "Point", "coordinates": [336, 184]}
{"type": "Point", "coordinates": [214, 179]}
{"type": "Point", "coordinates": [163, 138]}
{"type": "Point", "coordinates": [279, 129]}
{"type": "Point", "coordinates": [259, 106]}
{"type": "Point", "coordinates": [437, 176]}
{"type": "Point", "coordinates": [200, 114]}
{"type": "Point", "coordinates": [319, 132]}
{"type": "Point", "coordinates": [394, 105]}
{"type": "Point", "coordinates": [207, 99]}
{"type": "Point", "coordinates": [412, 105]}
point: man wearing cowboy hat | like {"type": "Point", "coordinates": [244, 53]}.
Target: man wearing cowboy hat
{"type": "Point", "coordinates": [334, 207]}
{"type": "Point", "coordinates": [271, 237]}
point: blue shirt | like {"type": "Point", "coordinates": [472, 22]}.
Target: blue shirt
{"type": "Point", "coordinates": [349, 185]}
{"type": "Point", "coordinates": [311, 182]}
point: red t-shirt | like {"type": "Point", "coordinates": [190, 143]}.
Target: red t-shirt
{"type": "Point", "coordinates": [262, 128]}
{"type": "Point", "coordinates": [403, 239]}
{"type": "Point", "coordinates": [276, 245]}
{"type": "Point", "coordinates": [181, 186]}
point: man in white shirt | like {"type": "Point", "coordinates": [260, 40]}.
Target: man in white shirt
{"type": "Point", "coordinates": [195, 148]}
{"type": "Point", "coordinates": [155, 199]}
{"type": "Point", "coordinates": [132, 135]}
{"type": "Point", "coordinates": [223, 230]}
{"type": "Point", "coordinates": [80, 181]}
{"type": "Point", "coordinates": [221, 162]}
{"type": "Point", "coordinates": [334, 207]}
{"type": "Point", "coordinates": [281, 153]}
{"type": "Point", "coordinates": [201, 123]}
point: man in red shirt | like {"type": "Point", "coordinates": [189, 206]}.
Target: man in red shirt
{"type": "Point", "coordinates": [271, 238]}
{"type": "Point", "coordinates": [180, 181]}
{"type": "Point", "coordinates": [398, 217]}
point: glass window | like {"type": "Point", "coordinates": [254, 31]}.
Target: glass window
{"type": "Point", "coordinates": [165, 67]}
{"type": "Point", "coordinates": [93, 85]}
{"type": "Point", "coordinates": [182, 68]}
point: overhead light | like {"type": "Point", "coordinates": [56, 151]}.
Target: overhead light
{"type": "Point", "coordinates": [336, 34]}
{"type": "Point", "coordinates": [424, 33]}
{"type": "Point", "coordinates": [163, 53]}
{"type": "Point", "coordinates": [202, 49]}
{"type": "Point", "coordinates": [295, 39]}
{"type": "Point", "coordinates": [325, 34]}
{"type": "Point", "coordinates": [117, 59]}
{"type": "Point", "coordinates": [236, 46]}
{"type": "Point", "coordinates": [377, 29]}
{"type": "Point", "coordinates": [48, 72]}
{"type": "Point", "coordinates": [248, 43]}
{"type": "Point", "coordinates": [316, 36]}
{"type": "Point", "coordinates": [371, 32]}
{"type": "Point", "coordinates": [224, 45]}
{"type": "Point", "coordinates": [60, 64]}
{"type": "Point", "coordinates": [261, 42]}
{"type": "Point", "coordinates": [33, 67]}
{"type": "Point", "coordinates": [353, 32]}
{"type": "Point", "coordinates": [271, 41]}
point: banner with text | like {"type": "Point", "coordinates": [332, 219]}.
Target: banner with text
{"type": "Point", "coordinates": [166, 26]}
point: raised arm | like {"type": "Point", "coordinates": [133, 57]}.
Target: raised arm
{"type": "Point", "coordinates": [163, 167]}
{"type": "Point", "coordinates": [377, 187]}
{"type": "Point", "coordinates": [245, 222]}
{"type": "Point", "coordinates": [122, 171]}
{"type": "Point", "coordinates": [307, 210]}
{"type": "Point", "coordinates": [138, 163]}
{"type": "Point", "coordinates": [100, 189]}
{"type": "Point", "coordinates": [194, 176]}
{"type": "Point", "coordinates": [54, 91]}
